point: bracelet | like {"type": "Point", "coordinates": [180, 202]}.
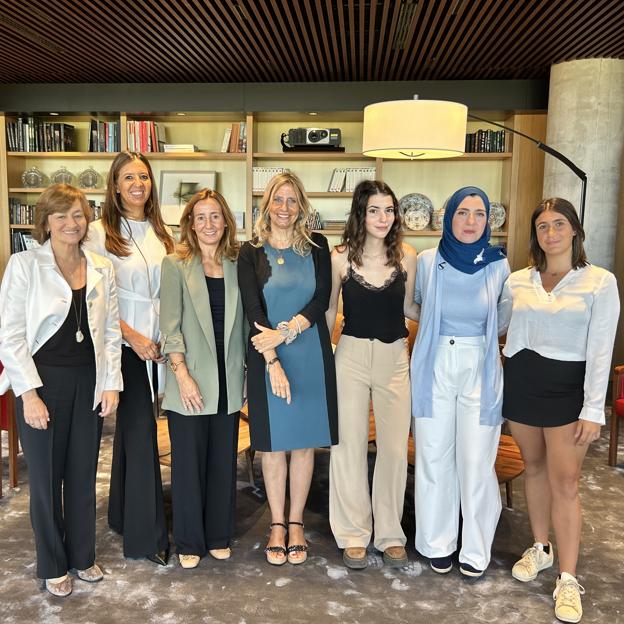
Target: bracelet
{"type": "Point", "coordinates": [286, 331]}
{"type": "Point", "coordinates": [271, 362]}
{"type": "Point", "coordinates": [175, 365]}
{"type": "Point", "coordinates": [294, 318]}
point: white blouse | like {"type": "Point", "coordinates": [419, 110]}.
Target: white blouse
{"type": "Point", "coordinates": [137, 277]}
{"type": "Point", "coordinates": [577, 321]}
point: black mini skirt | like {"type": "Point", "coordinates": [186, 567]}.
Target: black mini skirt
{"type": "Point", "coordinates": [542, 392]}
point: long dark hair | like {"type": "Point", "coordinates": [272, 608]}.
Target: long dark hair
{"type": "Point", "coordinates": [354, 235]}
{"type": "Point", "coordinates": [537, 257]}
{"type": "Point", "coordinates": [112, 210]}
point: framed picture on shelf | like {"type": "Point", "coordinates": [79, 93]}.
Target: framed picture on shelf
{"type": "Point", "coordinates": [177, 187]}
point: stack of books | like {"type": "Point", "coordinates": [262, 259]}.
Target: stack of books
{"type": "Point", "coordinates": [31, 135]}
{"type": "Point", "coordinates": [146, 136]}
{"type": "Point", "coordinates": [184, 148]}
{"type": "Point", "coordinates": [235, 138]}
{"type": "Point", "coordinates": [334, 224]}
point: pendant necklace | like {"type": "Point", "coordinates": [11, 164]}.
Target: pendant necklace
{"type": "Point", "coordinates": [79, 334]}
{"type": "Point", "coordinates": [280, 252]}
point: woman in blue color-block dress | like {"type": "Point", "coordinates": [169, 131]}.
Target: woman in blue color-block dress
{"type": "Point", "coordinates": [285, 282]}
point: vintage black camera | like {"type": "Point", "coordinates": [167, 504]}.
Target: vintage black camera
{"type": "Point", "coordinates": [314, 136]}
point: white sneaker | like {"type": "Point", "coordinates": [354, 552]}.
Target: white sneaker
{"type": "Point", "coordinates": [189, 562]}
{"type": "Point", "coordinates": [567, 597]}
{"type": "Point", "coordinates": [533, 561]}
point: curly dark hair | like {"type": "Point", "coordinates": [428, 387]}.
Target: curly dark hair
{"type": "Point", "coordinates": [354, 234]}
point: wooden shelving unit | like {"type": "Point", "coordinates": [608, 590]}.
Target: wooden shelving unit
{"type": "Point", "coordinates": [513, 177]}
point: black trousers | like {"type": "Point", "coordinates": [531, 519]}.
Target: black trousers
{"type": "Point", "coordinates": [136, 508]}
{"type": "Point", "coordinates": [62, 466]}
{"type": "Point", "coordinates": [203, 480]}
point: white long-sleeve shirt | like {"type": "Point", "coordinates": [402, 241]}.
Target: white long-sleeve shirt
{"type": "Point", "coordinates": [577, 322]}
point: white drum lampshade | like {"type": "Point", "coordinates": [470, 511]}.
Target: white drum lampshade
{"type": "Point", "coordinates": [414, 129]}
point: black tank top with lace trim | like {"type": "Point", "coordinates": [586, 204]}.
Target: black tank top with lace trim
{"type": "Point", "coordinates": [374, 312]}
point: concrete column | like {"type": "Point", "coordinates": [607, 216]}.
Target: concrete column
{"type": "Point", "coordinates": [586, 123]}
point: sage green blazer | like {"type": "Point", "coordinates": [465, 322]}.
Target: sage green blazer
{"type": "Point", "coordinates": [186, 327]}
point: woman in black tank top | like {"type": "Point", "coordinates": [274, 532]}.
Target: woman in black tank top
{"type": "Point", "coordinates": [375, 272]}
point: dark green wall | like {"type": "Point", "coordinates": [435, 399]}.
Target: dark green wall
{"type": "Point", "coordinates": [478, 95]}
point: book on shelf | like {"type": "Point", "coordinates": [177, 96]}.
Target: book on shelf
{"type": "Point", "coordinates": [180, 147]}
{"type": "Point", "coordinates": [21, 213]}
{"type": "Point", "coordinates": [146, 136]}
{"type": "Point", "coordinates": [104, 136]}
{"type": "Point", "coordinates": [235, 138]}
{"type": "Point", "coordinates": [355, 175]}
{"type": "Point", "coordinates": [337, 180]}
{"type": "Point", "coordinates": [334, 224]}
{"type": "Point", "coordinates": [227, 134]}
{"type": "Point", "coordinates": [32, 135]}
{"type": "Point", "coordinates": [21, 241]}
{"type": "Point", "coordinates": [262, 175]}
{"type": "Point", "coordinates": [485, 141]}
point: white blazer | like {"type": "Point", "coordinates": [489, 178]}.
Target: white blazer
{"type": "Point", "coordinates": [35, 300]}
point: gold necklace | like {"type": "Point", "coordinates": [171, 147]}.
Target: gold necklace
{"type": "Point", "coordinates": [280, 252]}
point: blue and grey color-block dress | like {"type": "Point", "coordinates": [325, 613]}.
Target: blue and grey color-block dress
{"type": "Point", "coordinates": [274, 292]}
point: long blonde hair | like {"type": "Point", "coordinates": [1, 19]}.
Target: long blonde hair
{"type": "Point", "coordinates": [302, 239]}
{"type": "Point", "coordinates": [189, 245]}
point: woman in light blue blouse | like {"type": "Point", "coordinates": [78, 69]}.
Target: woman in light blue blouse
{"type": "Point", "coordinates": [457, 388]}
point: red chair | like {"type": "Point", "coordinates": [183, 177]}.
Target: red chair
{"type": "Point", "coordinates": [617, 412]}
{"type": "Point", "coordinates": [7, 423]}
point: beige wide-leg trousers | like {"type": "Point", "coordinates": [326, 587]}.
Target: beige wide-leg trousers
{"type": "Point", "coordinates": [368, 369]}
{"type": "Point", "coordinates": [455, 458]}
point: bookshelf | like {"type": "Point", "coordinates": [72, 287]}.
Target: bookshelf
{"type": "Point", "coordinates": [513, 177]}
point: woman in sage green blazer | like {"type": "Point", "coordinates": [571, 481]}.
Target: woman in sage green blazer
{"type": "Point", "coordinates": [202, 324]}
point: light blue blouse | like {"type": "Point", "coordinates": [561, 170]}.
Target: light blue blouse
{"type": "Point", "coordinates": [430, 275]}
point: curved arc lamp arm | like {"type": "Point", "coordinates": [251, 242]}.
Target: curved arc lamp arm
{"type": "Point", "coordinates": [553, 152]}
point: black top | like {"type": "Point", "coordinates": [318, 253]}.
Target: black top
{"type": "Point", "coordinates": [374, 311]}
{"type": "Point", "coordinates": [62, 349]}
{"type": "Point", "coordinates": [216, 293]}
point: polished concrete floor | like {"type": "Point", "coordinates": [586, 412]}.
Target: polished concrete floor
{"type": "Point", "coordinates": [245, 590]}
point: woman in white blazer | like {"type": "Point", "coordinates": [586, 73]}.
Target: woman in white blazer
{"type": "Point", "coordinates": [60, 345]}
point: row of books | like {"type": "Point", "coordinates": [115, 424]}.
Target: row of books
{"type": "Point", "coordinates": [347, 178]}
{"type": "Point", "coordinates": [146, 136]}
{"type": "Point", "coordinates": [21, 241]}
{"type": "Point", "coordinates": [485, 141]}
{"type": "Point", "coordinates": [235, 138]}
{"type": "Point", "coordinates": [29, 135]}
{"type": "Point", "coordinates": [104, 136]}
{"type": "Point", "coordinates": [262, 175]}
{"type": "Point", "coordinates": [21, 213]}
{"type": "Point", "coordinates": [24, 214]}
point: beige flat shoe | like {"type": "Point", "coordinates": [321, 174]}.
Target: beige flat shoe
{"type": "Point", "coordinates": [91, 575]}
{"type": "Point", "coordinates": [220, 553]}
{"type": "Point", "coordinates": [61, 586]}
{"type": "Point", "coordinates": [188, 562]}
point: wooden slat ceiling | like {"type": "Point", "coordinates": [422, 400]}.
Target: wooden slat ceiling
{"type": "Point", "coordinates": [110, 41]}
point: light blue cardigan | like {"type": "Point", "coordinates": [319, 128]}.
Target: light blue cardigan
{"type": "Point", "coordinates": [429, 276]}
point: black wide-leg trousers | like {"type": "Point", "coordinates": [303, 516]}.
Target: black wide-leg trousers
{"type": "Point", "coordinates": [203, 480]}
{"type": "Point", "coordinates": [136, 507]}
{"type": "Point", "coordinates": [62, 467]}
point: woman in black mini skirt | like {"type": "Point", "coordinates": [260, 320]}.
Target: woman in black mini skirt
{"type": "Point", "coordinates": [564, 315]}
